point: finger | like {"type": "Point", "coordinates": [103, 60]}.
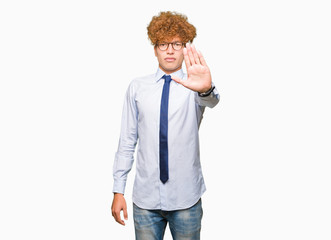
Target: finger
{"type": "Point", "coordinates": [117, 216]}
{"type": "Point", "coordinates": [125, 213]}
{"type": "Point", "coordinates": [202, 59]}
{"type": "Point", "coordinates": [195, 55]}
{"type": "Point", "coordinates": [186, 58]}
{"type": "Point", "coordinates": [113, 212]}
{"type": "Point", "coordinates": [189, 53]}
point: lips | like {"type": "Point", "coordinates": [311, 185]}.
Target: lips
{"type": "Point", "coordinates": [170, 59]}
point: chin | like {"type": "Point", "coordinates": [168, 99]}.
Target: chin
{"type": "Point", "coordinates": [171, 68]}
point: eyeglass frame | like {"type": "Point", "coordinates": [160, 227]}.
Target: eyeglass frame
{"type": "Point", "coordinates": [172, 45]}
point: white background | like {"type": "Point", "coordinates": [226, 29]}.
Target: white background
{"type": "Point", "coordinates": [265, 149]}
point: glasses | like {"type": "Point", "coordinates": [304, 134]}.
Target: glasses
{"type": "Point", "coordinates": [175, 45]}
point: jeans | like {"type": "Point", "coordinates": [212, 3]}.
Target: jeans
{"type": "Point", "coordinates": [184, 224]}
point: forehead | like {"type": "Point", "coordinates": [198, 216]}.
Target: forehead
{"type": "Point", "coordinates": [171, 39]}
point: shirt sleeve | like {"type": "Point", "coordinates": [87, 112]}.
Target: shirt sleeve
{"type": "Point", "coordinates": [124, 156]}
{"type": "Point", "coordinates": [208, 101]}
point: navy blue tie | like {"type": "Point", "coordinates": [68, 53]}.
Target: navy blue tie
{"type": "Point", "coordinates": [164, 171]}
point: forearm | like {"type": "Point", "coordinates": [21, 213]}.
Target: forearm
{"type": "Point", "coordinates": [122, 166]}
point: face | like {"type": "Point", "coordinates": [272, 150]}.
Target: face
{"type": "Point", "coordinates": [170, 60]}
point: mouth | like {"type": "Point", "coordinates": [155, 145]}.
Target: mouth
{"type": "Point", "coordinates": [170, 59]}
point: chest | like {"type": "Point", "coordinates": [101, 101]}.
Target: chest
{"type": "Point", "coordinates": [148, 100]}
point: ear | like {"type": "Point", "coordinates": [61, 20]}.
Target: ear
{"type": "Point", "coordinates": [155, 52]}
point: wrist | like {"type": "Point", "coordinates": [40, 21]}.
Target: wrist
{"type": "Point", "coordinates": [207, 92]}
{"type": "Point", "coordinates": [204, 90]}
{"type": "Point", "coordinates": [118, 194]}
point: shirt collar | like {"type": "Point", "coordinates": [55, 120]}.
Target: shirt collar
{"type": "Point", "coordinates": [159, 74]}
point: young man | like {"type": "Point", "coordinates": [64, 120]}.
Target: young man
{"type": "Point", "coordinates": [165, 116]}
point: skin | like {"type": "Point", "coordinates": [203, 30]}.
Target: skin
{"type": "Point", "coordinates": [198, 73]}
{"type": "Point", "coordinates": [198, 80]}
{"type": "Point", "coordinates": [119, 204]}
{"type": "Point", "coordinates": [169, 60]}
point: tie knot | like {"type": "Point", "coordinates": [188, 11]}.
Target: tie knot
{"type": "Point", "coordinates": [167, 78]}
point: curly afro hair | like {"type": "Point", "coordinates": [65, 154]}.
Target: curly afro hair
{"type": "Point", "coordinates": [168, 25]}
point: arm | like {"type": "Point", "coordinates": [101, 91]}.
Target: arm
{"type": "Point", "coordinates": [124, 155]}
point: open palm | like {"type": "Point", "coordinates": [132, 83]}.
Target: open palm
{"type": "Point", "coordinates": [198, 74]}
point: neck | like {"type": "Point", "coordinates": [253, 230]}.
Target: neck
{"type": "Point", "coordinates": [168, 72]}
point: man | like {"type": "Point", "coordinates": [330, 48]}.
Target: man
{"type": "Point", "coordinates": [165, 116]}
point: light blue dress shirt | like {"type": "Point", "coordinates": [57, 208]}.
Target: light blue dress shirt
{"type": "Point", "coordinates": [140, 124]}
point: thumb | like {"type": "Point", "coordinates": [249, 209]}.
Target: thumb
{"type": "Point", "coordinates": [177, 79]}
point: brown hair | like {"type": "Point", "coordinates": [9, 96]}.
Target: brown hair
{"type": "Point", "coordinates": [169, 25]}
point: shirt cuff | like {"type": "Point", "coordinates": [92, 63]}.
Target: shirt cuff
{"type": "Point", "coordinates": [119, 187]}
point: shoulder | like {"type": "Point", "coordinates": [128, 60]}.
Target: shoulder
{"type": "Point", "coordinates": [138, 83]}
{"type": "Point", "coordinates": [142, 81]}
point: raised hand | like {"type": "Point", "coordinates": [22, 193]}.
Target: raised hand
{"type": "Point", "coordinates": [198, 74]}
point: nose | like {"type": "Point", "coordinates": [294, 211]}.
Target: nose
{"type": "Point", "coordinates": [170, 49]}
